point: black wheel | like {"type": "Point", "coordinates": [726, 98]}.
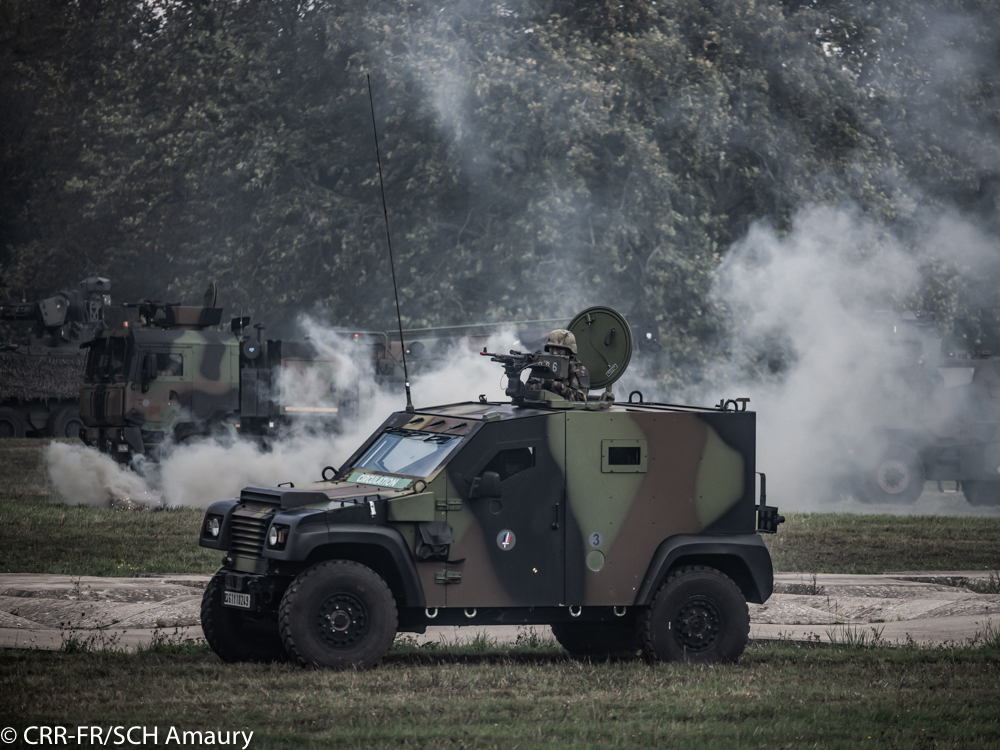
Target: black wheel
{"type": "Point", "coordinates": [699, 615]}
{"type": "Point", "coordinates": [981, 492]}
{"type": "Point", "coordinates": [66, 422]}
{"type": "Point", "coordinates": [12, 424]}
{"type": "Point", "coordinates": [235, 636]}
{"type": "Point", "coordinates": [598, 640]}
{"type": "Point", "coordinates": [338, 614]}
{"type": "Point", "coordinates": [898, 476]}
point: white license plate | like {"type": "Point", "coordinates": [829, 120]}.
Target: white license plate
{"type": "Point", "coordinates": [232, 599]}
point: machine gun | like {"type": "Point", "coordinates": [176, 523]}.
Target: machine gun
{"type": "Point", "coordinates": [541, 364]}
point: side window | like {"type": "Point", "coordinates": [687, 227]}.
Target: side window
{"type": "Point", "coordinates": [511, 461]}
{"type": "Point", "coordinates": [170, 365]}
{"type": "Point", "coordinates": [624, 456]}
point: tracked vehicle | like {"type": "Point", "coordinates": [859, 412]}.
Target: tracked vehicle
{"type": "Point", "coordinates": [627, 527]}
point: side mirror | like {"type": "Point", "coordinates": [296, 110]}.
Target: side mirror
{"type": "Point", "coordinates": [488, 485]}
{"type": "Point", "coordinates": [148, 370]}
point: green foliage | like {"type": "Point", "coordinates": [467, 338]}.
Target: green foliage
{"type": "Point", "coordinates": [537, 156]}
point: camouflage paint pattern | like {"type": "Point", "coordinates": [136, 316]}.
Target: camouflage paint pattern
{"type": "Point", "coordinates": [203, 380]}
{"type": "Point", "coordinates": [606, 486]}
{"type": "Point", "coordinates": [197, 381]}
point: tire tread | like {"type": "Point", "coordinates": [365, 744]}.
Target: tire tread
{"type": "Point", "coordinates": [294, 649]}
{"type": "Point", "coordinates": [646, 625]}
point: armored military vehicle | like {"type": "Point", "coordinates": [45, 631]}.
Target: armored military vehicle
{"type": "Point", "coordinates": [171, 378]}
{"type": "Point", "coordinates": [40, 380]}
{"type": "Point", "coordinates": [938, 419]}
{"type": "Point", "coordinates": [625, 526]}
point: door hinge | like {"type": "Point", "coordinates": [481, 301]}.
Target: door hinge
{"type": "Point", "coordinates": [446, 505]}
{"type": "Point", "coordinates": [451, 576]}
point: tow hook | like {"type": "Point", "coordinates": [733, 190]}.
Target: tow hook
{"type": "Point", "coordinates": [767, 515]}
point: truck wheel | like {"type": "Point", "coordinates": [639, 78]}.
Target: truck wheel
{"type": "Point", "coordinates": [897, 477]}
{"type": "Point", "coordinates": [699, 615]}
{"type": "Point", "coordinates": [234, 636]}
{"type": "Point", "coordinates": [598, 640]}
{"type": "Point", "coordinates": [11, 424]}
{"type": "Point", "coordinates": [981, 493]}
{"type": "Point", "coordinates": [66, 422]}
{"type": "Point", "coordinates": [338, 614]}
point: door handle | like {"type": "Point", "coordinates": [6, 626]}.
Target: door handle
{"type": "Point", "coordinates": [555, 523]}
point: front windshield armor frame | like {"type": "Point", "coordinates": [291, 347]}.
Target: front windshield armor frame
{"type": "Point", "coordinates": [408, 452]}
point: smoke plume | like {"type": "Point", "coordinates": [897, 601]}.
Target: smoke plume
{"type": "Point", "coordinates": [816, 346]}
{"type": "Point", "coordinates": [198, 474]}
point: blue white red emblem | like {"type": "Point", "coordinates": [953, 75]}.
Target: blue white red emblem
{"type": "Point", "coordinates": [506, 540]}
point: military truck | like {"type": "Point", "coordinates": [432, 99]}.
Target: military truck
{"type": "Point", "coordinates": [172, 379]}
{"type": "Point", "coordinates": [40, 380]}
{"type": "Point", "coordinates": [625, 526]}
{"type": "Point", "coordinates": [938, 419]}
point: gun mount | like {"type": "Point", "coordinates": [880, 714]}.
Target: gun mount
{"type": "Point", "coordinates": [604, 344]}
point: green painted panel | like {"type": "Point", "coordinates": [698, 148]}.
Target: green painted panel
{"type": "Point", "coordinates": [719, 484]}
{"type": "Point", "coordinates": [419, 507]}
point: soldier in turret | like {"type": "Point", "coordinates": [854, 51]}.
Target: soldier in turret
{"type": "Point", "coordinates": [576, 384]}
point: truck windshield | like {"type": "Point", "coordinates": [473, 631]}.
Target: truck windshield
{"type": "Point", "coordinates": [407, 452]}
{"type": "Point", "coordinates": [106, 359]}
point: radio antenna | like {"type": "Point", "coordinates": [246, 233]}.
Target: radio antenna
{"type": "Point", "coordinates": [392, 266]}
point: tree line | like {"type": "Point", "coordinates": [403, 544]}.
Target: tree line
{"type": "Point", "coordinates": [538, 155]}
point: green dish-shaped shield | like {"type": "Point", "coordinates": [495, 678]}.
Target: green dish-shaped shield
{"type": "Point", "coordinates": [604, 344]}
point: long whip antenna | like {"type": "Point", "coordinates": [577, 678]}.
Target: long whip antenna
{"type": "Point", "coordinates": [392, 266]}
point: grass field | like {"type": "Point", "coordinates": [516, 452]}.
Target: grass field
{"type": "Point", "coordinates": [104, 542]}
{"type": "Point", "coordinates": [532, 696]}
{"type": "Point", "coordinates": [44, 535]}
{"type": "Point", "coordinates": [480, 695]}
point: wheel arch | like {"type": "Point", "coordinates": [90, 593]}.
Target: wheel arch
{"type": "Point", "coordinates": [384, 553]}
{"type": "Point", "coordinates": [744, 558]}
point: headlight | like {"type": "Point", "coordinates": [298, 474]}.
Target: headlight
{"type": "Point", "coordinates": [213, 526]}
{"type": "Point", "coordinates": [276, 536]}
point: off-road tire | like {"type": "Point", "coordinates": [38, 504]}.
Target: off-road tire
{"type": "Point", "coordinates": [598, 640]}
{"type": "Point", "coordinates": [338, 614]}
{"type": "Point", "coordinates": [979, 492]}
{"type": "Point", "coordinates": [234, 636]}
{"type": "Point", "coordinates": [897, 477]}
{"type": "Point", "coordinates": [66, 422]}
{"type": "Point", "coordinates": [699, 615]}
{"type": "Point", "coordinates": [12, 423]}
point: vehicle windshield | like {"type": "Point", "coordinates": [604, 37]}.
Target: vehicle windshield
{"type": "Point", "coordinates": [106, 359]}
{"type": "Point", "coordinates": [407, 452]}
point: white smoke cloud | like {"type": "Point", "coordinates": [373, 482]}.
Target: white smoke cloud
{"type": "Point", "coordinates": [808, 300]}
{"type": "Point", "coordinates": [82, 476]}
{"type": "Point", "coordinates": [198, 474]}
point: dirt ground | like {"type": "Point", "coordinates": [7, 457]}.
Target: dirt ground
{"type": "Point", "coordinates": [43, 611]}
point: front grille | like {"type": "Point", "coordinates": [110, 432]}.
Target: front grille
{"type": "Point", "coordinates": [249, 527]}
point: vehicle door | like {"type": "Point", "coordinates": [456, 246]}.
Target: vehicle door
{"type": "Point", "coordinates": [508, 549]}
{"type": "Point", "coordinates": [161, 399]}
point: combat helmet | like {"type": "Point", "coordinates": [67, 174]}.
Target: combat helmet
{"type": "Point", "coordinates": [562, 339]}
